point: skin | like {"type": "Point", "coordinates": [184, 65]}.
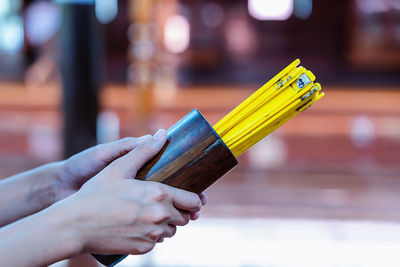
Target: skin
{"type": "Point", "coordinates": [90, 203]}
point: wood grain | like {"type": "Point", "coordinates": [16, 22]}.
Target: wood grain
{"type": "Point", "coordinates": [193, 158]}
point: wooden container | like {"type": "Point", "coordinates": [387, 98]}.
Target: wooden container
{"type": "Point", "coordinates": [193, 158]}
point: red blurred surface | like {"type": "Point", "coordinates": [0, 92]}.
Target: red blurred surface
{"type": "Point", "coordinates": [323, 173]}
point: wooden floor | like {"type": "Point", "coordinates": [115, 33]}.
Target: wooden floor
{"type": "Point", "coordinates": [339, 159]}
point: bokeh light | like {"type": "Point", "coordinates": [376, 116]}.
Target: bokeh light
{"type": "Point", "coordinates": [270, 9]}
{"type": "Point", "coordinates": [11, 35]}
{"type": "Point", "coordinates": [176, 34]}
{"type": "Point", "coordinates": [303, 8]}
{"type": "Point", "coordinates": [106, 10]}
{"type": "Point", "coordinates": [43, 20]}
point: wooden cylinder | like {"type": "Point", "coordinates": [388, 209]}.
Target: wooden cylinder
{"type": "Point", "coordinates": [193, 158]}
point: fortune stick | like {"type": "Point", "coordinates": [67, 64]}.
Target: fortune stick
{"type": "Point", "coordinates": [280, 99]}
{"type": "Point", "coordinates": [194, 156]}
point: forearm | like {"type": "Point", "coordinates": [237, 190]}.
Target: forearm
{"type": "Point", "coordinates": [29, 192]}
{"type": "Point", "coordinates": [40, 239]}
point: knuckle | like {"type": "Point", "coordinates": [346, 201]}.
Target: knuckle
{"type": "Point", "coordinates": [183, 219]}
{"type": "Point", "coordinates": [145, 137]}
{"type": "Point", "coordinates": [159, 193]}
{"type": "Point", "coordinates": [146, 148]}
{"type": "Point", "coordinates": [155, 234]}
{"type": "Point", "coordinates": [172, 231]}
{"type": "Point", "coordinates": [160, 214]}
{"type": "Point", "coordinates": [127, 140]}
{"type": "Point", "coordinates": [186, 219]}
{"type": "Point", "coordinates": [97, 152]}
{"type": "Point", "coordinates": [145, 248]}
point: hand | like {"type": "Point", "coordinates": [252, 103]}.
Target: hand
{"type": "Point", "coordinates": [117, 214]}
{"type": "Point", "coordinates": [78, 169]}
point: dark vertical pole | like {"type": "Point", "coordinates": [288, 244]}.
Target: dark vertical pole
{"type": "Point", "coordinates": [80, 61]}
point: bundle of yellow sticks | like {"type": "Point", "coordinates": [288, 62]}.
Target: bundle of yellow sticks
{"type": "Point", "coordinates": [280, 99]}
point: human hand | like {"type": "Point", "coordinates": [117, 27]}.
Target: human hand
{"type": "Point", "coordinates": [79, 168]}
{"type": "Point", "coordinates": [116, 214]}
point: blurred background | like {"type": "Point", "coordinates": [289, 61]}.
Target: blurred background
{"type": "Point", "coordinates": [323, 190]}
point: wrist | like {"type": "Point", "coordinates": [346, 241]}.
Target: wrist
{"type": "Point", "coordinates": [60, 187]}
{"type": "Point", "coordinates": [41, 186]}
{"type": "Point", "coordinates": [63, 220]}
{"type": "Point", "coordinates": [44, 238]}
{"type": "Point", "coordinates": [82, 220]}
{"type": "Point", "coordinates": [51, 179]}
{"type": "Point", "coordinates": [28, 192]}
{"type": "Point", "coordinates": [69, 179]}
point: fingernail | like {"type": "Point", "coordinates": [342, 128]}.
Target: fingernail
{"type": "Point", "coordinates": [204, 199]}
{"type": "Point", "coordinates": [158, 134]}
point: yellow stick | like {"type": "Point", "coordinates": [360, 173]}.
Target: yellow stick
{"type": "Point", "coordinates": [284, 96]}
{"type": "Point", "coordinates": [262, 119]}
{"type": "Point", "coordinates": [239, 108]}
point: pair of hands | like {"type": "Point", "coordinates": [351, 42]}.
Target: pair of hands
{"type": "Point", "coordinates": [114, 212]}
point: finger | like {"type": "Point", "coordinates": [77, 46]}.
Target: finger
{"type": "Point", "coordinates": [105, 153]}
{"type": "Point", "coordinates": [203, 198]}
{"type": "Point", "coordinates": [141, 247]}
{"type": "Point", "coordinates": [109, 151]}
{"type": "Point", "coordinates": [194, 216]}
{"type": "Point", "coordinates": [178, 217]}
{"type": "Point", "coordinates": [170, 231]}
{"type": "Point", "coordinates": [185, 200]}
{"type": "Point", "coordinates": [91, 161]}
{"type": "Point", "coordinates": [186, 216]}
{"type": "Point", "coordinates": [128, 165]}
{"type": "Point", "coordinates": [146, 151]}
{"type": "Point", "coordinates": [144, 138]}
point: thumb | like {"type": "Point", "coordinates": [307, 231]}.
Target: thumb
{"type": "Point", "coordinates": [128, 165]}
